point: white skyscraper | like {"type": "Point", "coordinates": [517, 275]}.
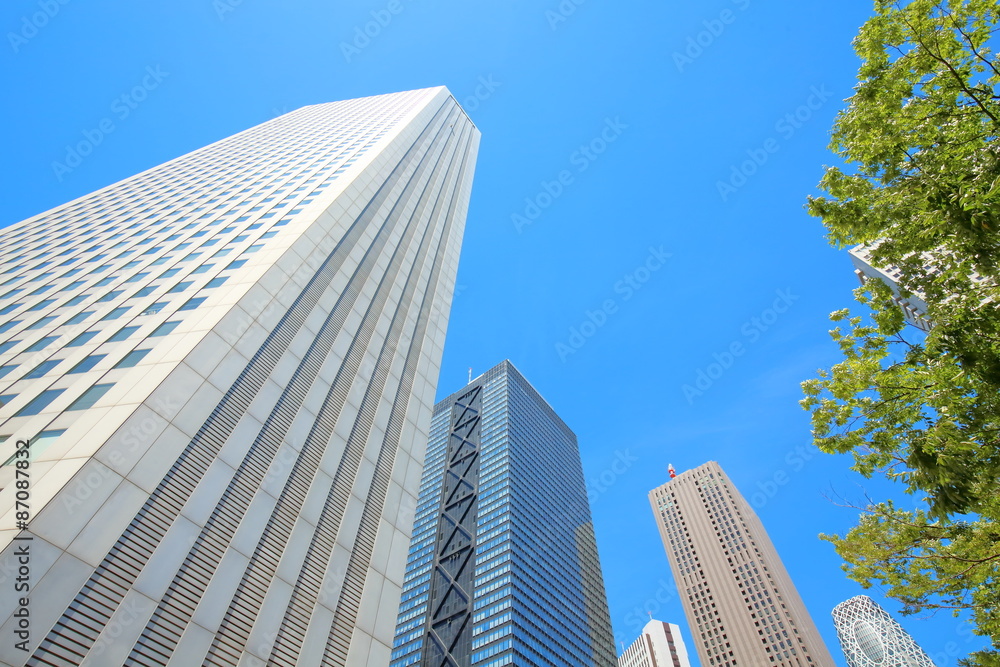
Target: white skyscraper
{"type": "Point", "coordinates": [659, 645]}
{"type": "Point", "coordinates": [225, 367]}
{"type": "Point", "coordinates": [871, 638]}
{"type": "Point", "coordinates": [914, 307]}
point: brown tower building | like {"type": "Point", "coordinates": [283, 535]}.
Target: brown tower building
{"type": "Point", "coordinates": [740, 603]}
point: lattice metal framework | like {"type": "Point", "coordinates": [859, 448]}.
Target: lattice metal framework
{"type": "Point", "coordinates": [871, 638]}
{"type": "Point", "coordinates": [449, 624]}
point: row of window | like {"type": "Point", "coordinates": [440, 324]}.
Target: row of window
{"type": "Point", "coordinates": [36, 405]}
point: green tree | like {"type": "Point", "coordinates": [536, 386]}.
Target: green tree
{"type": "Point", "coordinates": [920, 135]}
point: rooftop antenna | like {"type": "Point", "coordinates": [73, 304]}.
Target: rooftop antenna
{"type": "Point", "coordinates": [470, 374]}
{"type": "Point", "coordinates": [670, 469]}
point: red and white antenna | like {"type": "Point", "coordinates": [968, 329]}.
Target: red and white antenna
{"type": "Point", "coordinates": [670, 469]}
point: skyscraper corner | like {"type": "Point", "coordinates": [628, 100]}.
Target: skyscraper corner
{"type": "Point", "coordinates": [659, 645]}
{"type": "Point", "coordinates": [223, 371]}
{"type": "Point", "coordinates": [503, 565]}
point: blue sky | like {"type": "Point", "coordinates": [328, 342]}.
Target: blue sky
{"type": "Point", "coordinates": [637, 215]}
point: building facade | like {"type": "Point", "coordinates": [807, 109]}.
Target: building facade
{"type": "Point", "coordinates": [217, 382]}
{"type": "Point", "coordinates": [740, 603]}
{"type": "Point", "coordinates": [503, 566]}
{"type": "Point", "coordinates": [659, 645]}
{"type": "Point", "coordinates": [914, 308]}
{"type": "Point", "coordinates": [870, 637]}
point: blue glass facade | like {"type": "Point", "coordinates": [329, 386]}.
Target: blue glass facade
{"type": "Point", "coordinates": [503, 566]}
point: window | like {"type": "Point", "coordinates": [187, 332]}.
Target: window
{"type": "Point", "coordinates": [80, 317]}
{"type": "Point", "coordinates": [165, 328]}
{"type": "Point", "coordinates": [191, 304]}
{"type": "Point", "coordinates": [202, 269]}
{"type": "Point", "coordinates": [87, 363]}
{"type": "Point", "coordinates": [41, 344]}
{"type": "Point", "coordinates": [42, 304]}
{"type": "Point", "coordinates": [215, 282]}
{"type": "Point", "coordinates": [5, 370]}
{"type": "Point", "coordinates": [90, 397]}
{"type": "Point", "coordinates": [123, 333]}
{"type": "Point", "coordinates": [78, 299]}
{"type": "Point", "coordinates": [42, 368]}
{"type": "Point", "coordinates": [132, 359]}
{"type": "Point", "coordinates": [169, 273]}
{"type": "Point", "coordinates": [137, 277]}
{"type": "Point", "coordinates": [38, 403]}
{"type": "Point", "coordinates": [37, 445]}
{"type": "Point", "coordinates": [104, 281]}
{"type": "Point", "coordinates": [42, 322]}
{"type": "Point", "coordinates": [116, 313]}
{"type": "Point", "coordinates": [82, 339]}
{"type": "Point", "coordinates": [110, 296]}
{"type": "Point", "coordinates": [145, 291]}
{"type": "Point", "coordinates": [155, 308]}
{"type": "Point", "coordinates": [180, 287]}
{"type": "Point", "coordinates": [12, 307]}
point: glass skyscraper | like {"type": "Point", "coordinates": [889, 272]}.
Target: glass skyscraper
{"type": "Point", "coordinates": [217, 382]}
{"type": "Point", "coordinates": [871, 638]}
{"type": "Point", "coordinates": [503, 566]}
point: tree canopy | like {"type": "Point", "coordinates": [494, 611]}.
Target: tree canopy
{"type": "Point", "coordinates": [921, 188]}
